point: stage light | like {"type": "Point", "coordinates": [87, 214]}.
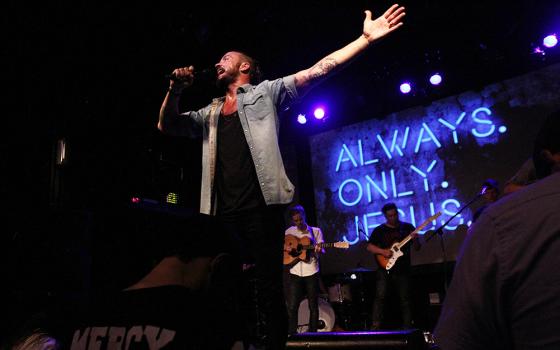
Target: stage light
{"type": "Point", "coordinates": [406, 87]}
{"type": "Point", "coordinates": [302, 119]}
{"type": "Point", "coordinates": [319, 113]}
{"type": "Point", "coordinates": [538, 51]}
{"type": "Point", "coordinates": [550, 40]}
{"type": "Point", "coordinates": [61, 152]}
{"type": "Point", "coordinates": [135, 200]}
{"type": "Point", "coordinates": [353, 276]}
{"type": "Point", "coordinates": [436, 79]}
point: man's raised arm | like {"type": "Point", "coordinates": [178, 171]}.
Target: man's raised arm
{"type": "Point", "coordinates": [170, 107]}
{"type": "Point", "coordinates": [372, 31]}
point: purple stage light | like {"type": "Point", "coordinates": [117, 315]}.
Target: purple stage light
{"type": "Point", "coordinates": [319, 113]}
{"type": "Point", "coordinates": [301, 119]}
{"type": "Point", "coordinates": [538, 51]}
{"type": "Point", "coordinates": [550, 40]}
{"type": "Point", "coordinates": [436, 79]}
{"type": "Point", "coordinates": [405, 87]}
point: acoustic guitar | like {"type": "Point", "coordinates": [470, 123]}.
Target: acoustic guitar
{"type": "Point", "coordinates": [297, 249]}
{"type": "Point", "coordinates": [387, 263]}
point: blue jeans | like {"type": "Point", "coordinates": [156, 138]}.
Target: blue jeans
{"type": "Point", "coordinates": [400, 282]}
{"type": "Point", "coordinates": [296, 286]}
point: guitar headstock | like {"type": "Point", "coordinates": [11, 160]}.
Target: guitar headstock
{"type": "Point", "coordinates": [435, 216]}
{"type": "Point", "coordinates": [343, 245]}
{"type": "Point", "coordinates": [428, 220]}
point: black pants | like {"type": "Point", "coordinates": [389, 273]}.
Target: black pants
{"type": "Point", "coordinates": [399, 281]}
{"type": "Point", "coordinates": [259, 238]}
{"type": "Point", "coordinates": [296, 286]}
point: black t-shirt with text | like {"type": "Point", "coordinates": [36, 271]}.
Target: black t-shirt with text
{"type": "Point", "coordinates": [384, 236]}
{"type": "Point", "coordinates": [168, 317]}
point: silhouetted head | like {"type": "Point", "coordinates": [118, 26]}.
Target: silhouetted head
{"type": "Point", "coordinates": [546, 152]}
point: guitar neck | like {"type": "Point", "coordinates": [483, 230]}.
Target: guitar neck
{"type": "Point", "coordinates": [322, 245]}
{"type": "Point", "coordinates": [424, 224]}
{"type": "Point", "coordinates": [407, 238]}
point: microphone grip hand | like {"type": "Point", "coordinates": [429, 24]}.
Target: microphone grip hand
{"type": "Point", "coordinates": [181, 78]}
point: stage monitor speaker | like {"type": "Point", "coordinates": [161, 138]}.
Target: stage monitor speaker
{"type": "Point", "coordinates": [408, 339]}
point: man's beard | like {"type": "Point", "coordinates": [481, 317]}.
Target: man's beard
{"type": "Point", "coordinates": [224, 82]}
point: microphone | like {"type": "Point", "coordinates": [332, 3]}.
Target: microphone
{"type": "Point", "coordinates": [483, 191]}
{"type": "Point", "coordinates": [206, 75]}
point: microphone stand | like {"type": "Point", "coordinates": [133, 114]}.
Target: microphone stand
{"type": "Point", "coordinates": [439, 231]}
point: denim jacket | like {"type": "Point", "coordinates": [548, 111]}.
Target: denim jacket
{"type": "Point", "coordinates": [258, 107]}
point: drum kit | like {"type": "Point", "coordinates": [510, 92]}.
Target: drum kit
{"type": "Point", "coordinates": [326, 316]}
{"type": "Point", "coordinates": [341, 307]}
{"type": "Point", "coordinates": [340, 293]}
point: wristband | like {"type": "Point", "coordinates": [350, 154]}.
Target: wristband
{"type": "Point", "coordinates": [175, 91]}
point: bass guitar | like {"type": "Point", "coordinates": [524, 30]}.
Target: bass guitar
{"type": "Point", "coordinates": [387, 263]}
{"type": "Point", "coordinates": [297, 249]}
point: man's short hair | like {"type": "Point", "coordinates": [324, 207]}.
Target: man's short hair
{"type": "Point", "coordinates": [548, 138]}
{"type": "Point", "coordinates": [388, 207]}
{"type": "Point", "coordinates": [296, 209]}
{"type": "Point", "coordinates": [255, 73]}
{"type": "Point", "coordinates": [143, 234]}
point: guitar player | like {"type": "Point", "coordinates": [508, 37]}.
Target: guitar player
{"type": "Point", "coordinates": [303, 276]}
{"type": "Point", "coordinates": [397, 279]}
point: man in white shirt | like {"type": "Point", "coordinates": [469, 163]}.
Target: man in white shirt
{"type": "Point", "coordinates": [303, 273]}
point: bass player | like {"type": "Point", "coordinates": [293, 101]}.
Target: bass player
{"type": "Point", "coordinates": [398, 277]}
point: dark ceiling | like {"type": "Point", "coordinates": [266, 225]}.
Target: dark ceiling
{"type": "Point", "coordinates": [93, 72]}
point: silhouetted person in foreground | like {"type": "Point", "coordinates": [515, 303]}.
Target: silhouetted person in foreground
{"type": "Point", "coordinates": [505, 288]}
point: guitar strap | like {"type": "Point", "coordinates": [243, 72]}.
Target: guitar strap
{"type": "Point", "coordinates": [311, 253]}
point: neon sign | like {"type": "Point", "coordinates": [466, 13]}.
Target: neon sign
{"type": "Point", "coordinates": [401, 160]}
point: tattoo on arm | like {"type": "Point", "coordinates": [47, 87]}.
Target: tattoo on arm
{"type": "Point", "coordinates": [322, 68]}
